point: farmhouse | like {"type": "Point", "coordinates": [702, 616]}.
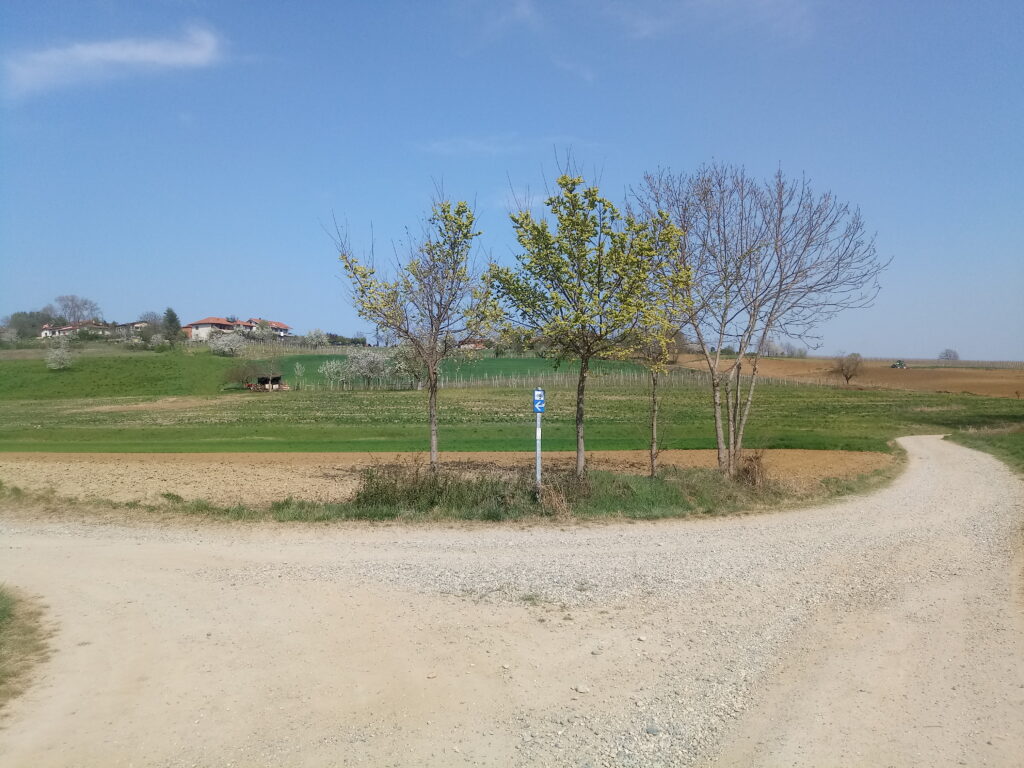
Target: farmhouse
{"type": "Point", "coordinates": [127, 329]}
{"type": "Point", "coordinates": [49, 331]}
{"type": "Point", "coordinates": [200, 330]}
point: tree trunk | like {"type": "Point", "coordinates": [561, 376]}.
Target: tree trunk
{"type": "Point", "coordinates": [716, 399]}
{"type": "Point", "coordinates": [432, 409]}
{"type": "Point", "coordinates": [581, 386]}
{"type": "Point", "coordinates": [654, 423]}
{"type": "Point", "coordinates": [746, 409]}
{"type": "Point", "coordinates": [734, 419]}
{"type": "Point", "coordinates": [730, 421]}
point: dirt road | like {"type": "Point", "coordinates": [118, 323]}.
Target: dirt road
{"type": "Point", "coordinates": [885, 630]}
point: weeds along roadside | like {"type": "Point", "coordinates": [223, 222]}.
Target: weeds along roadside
{"type": "Point", "coordinates": [22, 643]}
{"type": "Point", "coordinates": [410, 492]}
{"type": "Point", "coordinates": [1004, 442]}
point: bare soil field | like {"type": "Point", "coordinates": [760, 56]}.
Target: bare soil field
{"type": "Point", "coordinates": [996, 382]}
{"type": "Point", "coordinates": [884, 630]}
{"type": "Point", "coordinates": [257, 479]}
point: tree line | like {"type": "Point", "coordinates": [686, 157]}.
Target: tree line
{"type": "Point", "coordinates": [730, 261]}
{"type": "Point", "coordinates": [74, 310]}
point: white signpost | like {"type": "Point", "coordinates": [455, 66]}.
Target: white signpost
{"type": "Point", "coordinates": [538, 408]}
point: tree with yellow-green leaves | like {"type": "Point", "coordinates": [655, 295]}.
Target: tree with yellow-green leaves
{"type": "Point", "coordinates": [437, 300]}
{"type": "Point", "coordinates": [584, 281]}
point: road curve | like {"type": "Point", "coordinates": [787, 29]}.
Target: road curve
{"type": "Point", "coordinates": [883, 630]}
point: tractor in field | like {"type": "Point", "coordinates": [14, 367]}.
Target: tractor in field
{"type": "Point", "coordinates": [898, 364]}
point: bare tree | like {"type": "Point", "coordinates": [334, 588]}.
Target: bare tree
{"type": "Point", "coordinates": [78, 309]}
{"type": "Point", "coordinates": [949, 354]}
{"type": "Point", "coordinates": [437, 299]}
{"type": "Point", "coordinates": [848, 366]}
{"type": "Point", "coordinates": [153, 323]}
{"type": "Point", "coordinates": [767, 259]}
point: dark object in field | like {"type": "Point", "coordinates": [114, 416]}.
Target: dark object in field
{"type": "Point", "coordinates": [267, 384]}
{"type": "Point", "coordinates": [898, 364]}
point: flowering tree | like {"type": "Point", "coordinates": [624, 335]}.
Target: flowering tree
{"type": "Point", "coordinates": [316, 338]}
{"type": "Point", "coordinates": [226, 344]}
{"type": "Point", "coordinates": [334, 371]}
{"type": "Point", "coordinates": [58, 358]}
{"type": "Point", "coordinates": [369, 363]}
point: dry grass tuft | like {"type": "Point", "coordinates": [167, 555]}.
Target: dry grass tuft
{"type": "Point", "coordinates": [22, 643]}
{"type": "Point", "coordinates": [752, 471]}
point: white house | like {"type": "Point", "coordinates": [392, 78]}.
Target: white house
{"type": "Point", "coordinates": [200, 330]}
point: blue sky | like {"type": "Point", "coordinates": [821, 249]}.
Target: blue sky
{"type": "Point", "coordinates": [190, 153]}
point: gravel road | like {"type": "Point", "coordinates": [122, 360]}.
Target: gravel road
{"type": "Point", "coordinates": [884, 630]}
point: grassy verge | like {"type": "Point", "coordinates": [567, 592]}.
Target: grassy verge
{"type": "Point", "coordinates": [21, 642]}
{"type": "Point", "coordinates": [1006, 443]}
{"type": "Point", "coordinates": [411, 492]}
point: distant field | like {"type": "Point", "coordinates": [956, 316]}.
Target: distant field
{"type": "Point", "coordinates": [1000, 380]}
{"type": "Point", "coordinates": [501, 371]}
{"type": "Point", "coordinates": [172, 402]}
{"type": "Point", "coordinates": [116, 374]}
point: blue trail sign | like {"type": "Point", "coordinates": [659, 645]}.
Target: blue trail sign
{"type": "Point", "coordinates": [538, 408]}
{"type": "Point", "coordinates": [538, 401]}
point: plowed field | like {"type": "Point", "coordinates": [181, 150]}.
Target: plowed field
{"type": "Point", "coordinates": [920, 377]}
{"type": "Point", "coordinates": [261, 478]}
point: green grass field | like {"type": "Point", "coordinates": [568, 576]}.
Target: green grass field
{"type": "Point", "coordinates": [83, 409]}
{"type": "Point", "coordinates": [498, 370]}
{"type": "Point", "coordinates": [100, 405]}
{"type": "Point", "coordinates": [117, 374]}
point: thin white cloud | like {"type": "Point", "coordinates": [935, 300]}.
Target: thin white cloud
{"type": "Point", "coordinates": [505, 144]}
{"type": "Point", "coordinates": [498, 15]}
{"type": "Point", "coordinates": [495, 144]}
{"type": "Point", "coordinates": [34, 71]}
{"type": "Point", "coordinates": [574, 68]}
{"type": "Point", "coordinates": [656, 18]}
{"type": "Point", "coordinates": [494, 20]}
{"type": "Point", "coordinates": [520, 12]}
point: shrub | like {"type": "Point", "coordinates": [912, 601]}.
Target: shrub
{"type": "Point", "coordinates": [848, 366]}
{"type": "Point", "coordinates": [369, 363]}
{"type": "Point", "coordinates": [59, 356]}
{"type": "Point", "coordinates": [226, 344]}
{"type": "Point", "coordinates": [316, 338]}
{"type": "Point", "coordinates": [752, 469]}
{"type": "Point", "coordinates": [334, 370]}
{"type": "Point", "coordinates": [403, 489]}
